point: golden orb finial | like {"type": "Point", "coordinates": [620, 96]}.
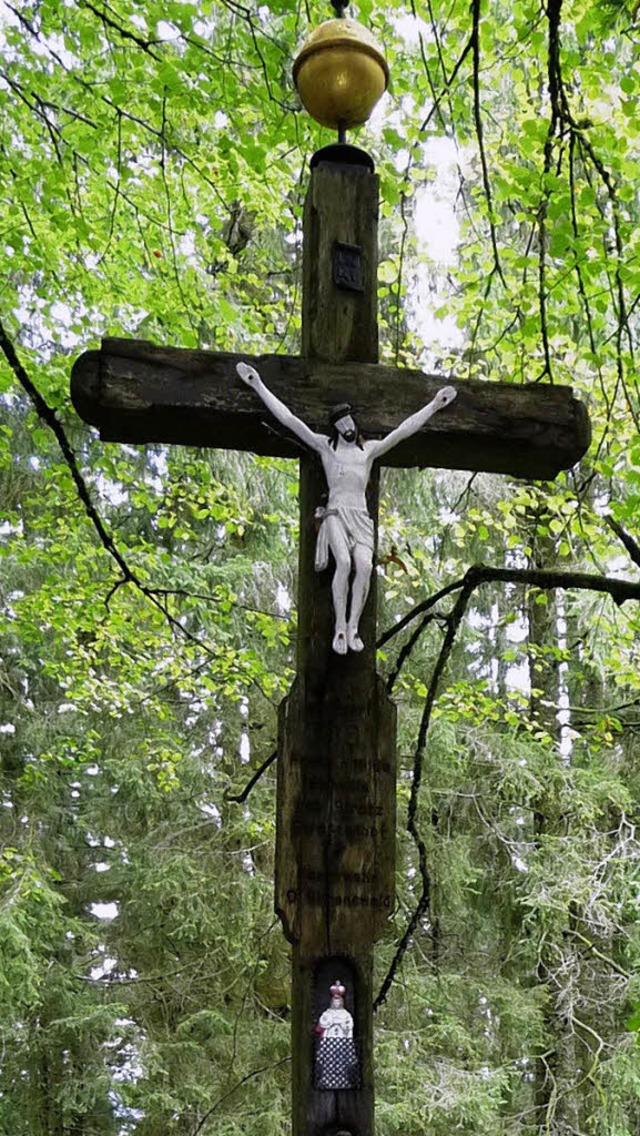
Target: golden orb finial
{"type": "Point", "coordinates": [340, 73]}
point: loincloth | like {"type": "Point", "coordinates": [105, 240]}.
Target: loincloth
{"type": "Point", "coordinates": [355, 525]}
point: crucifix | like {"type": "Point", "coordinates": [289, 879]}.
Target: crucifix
{"type": "Point", "coordinates": [345, 527]}
{"type": "Point", "coordinates": [336, 812]}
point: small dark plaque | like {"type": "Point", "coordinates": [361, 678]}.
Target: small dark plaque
{"type": "Point", "coordinates": [347, 267]}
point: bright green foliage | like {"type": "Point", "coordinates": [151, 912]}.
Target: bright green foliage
{"type": "Point", "coordinates": [153, 163]}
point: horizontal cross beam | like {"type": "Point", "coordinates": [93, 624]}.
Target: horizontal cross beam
{"type": "Point", "coordinates": [135, 392]}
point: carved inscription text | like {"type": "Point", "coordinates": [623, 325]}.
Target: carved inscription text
{"type": "Point", "coordinates": [336, 820]}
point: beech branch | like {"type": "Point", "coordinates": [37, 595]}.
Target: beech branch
{"type": "Point", "coordinates": [546, 579]}
{"type": "Point", "coordinates": [125, 33]}
{"type": "Point", "coordinates": [50, 418]}
{"type": "Point", "coordinates": [562, 116]}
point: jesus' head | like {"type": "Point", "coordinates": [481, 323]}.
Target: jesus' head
{"type": "Point", "coordinates": [344, 425]}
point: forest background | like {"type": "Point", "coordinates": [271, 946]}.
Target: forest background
{"type": "Point", "coordinates": [153, 163]}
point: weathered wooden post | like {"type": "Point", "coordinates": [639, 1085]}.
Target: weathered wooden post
{"type": "Point", "coordinates": [335, 844]}
{"type": "Point", "coordinates": [336, 769]}
{"type": "Point", "coordinates": [335, 835]}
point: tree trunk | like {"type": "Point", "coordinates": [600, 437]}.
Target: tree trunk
{"type": "Point", "coordinates": [556, 1094]}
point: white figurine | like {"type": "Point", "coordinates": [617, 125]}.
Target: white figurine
{"type": "Point", "coordinates": [346, 528]}
{"type": "Point", "coordinates": [336, 1060]}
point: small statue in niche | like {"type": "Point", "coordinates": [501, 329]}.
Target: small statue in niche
{"type": "Point", "coordinates": [346, 529]}
{"type": "Point", "coordinates": [336, 1060]}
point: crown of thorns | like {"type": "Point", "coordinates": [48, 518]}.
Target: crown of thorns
{"type": "Point", "coordinates": [340, 411]}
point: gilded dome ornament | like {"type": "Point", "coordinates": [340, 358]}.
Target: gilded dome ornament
{"type": "Point", "coordinates": [340, 73]}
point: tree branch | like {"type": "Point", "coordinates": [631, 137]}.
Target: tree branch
{"type": "Point", "coordinates": [241, 797]}
{"type": "Point", "coordinates": [475, 46]}
{"type": "Point", "coordinates": [425, 605]}
{"type": "Point", "coordinates": [453, 623]}
{"type": "Point", "coordinates": [243, 1080]}
{"type": "Point", "coordinates": [49, 416]}
{"type": "Point", "coordinates": [546, 579]}
{"type": "Point", "coordinates": [631, 545]}
{"type": "Point", "coordinates": [124, 33]}
{"type": "Point", "coordinates": [619, 590]}
{"type": "Point", "coordinates": [407, 648]}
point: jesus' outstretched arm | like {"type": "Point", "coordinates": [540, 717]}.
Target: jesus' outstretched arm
{"type": "Point", "coordinates": [412, 424]}
{"type": "Point", "coordinates": [250, 376]}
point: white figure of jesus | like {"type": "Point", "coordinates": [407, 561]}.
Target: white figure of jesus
{"type": "Point", "coordinates": [346, 528]}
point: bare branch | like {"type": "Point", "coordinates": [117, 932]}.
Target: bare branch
{"type": "Point", "coordinates": [425, 605]}
{"type": "Point", "coordinates": [49, 416]}
{"type": "Point", "coordinates": [241, 797]}
{"type": "Point", "coordinates": [475, 46]}
{"type": "Point", "coordinates": [546, 579]}
{"type": "Point", "coordinates": [453, 623]}
{"type": "Point", "coordinates": [124, 33]}
{"type": "Point", "coordinates": [243, 1080]}
{"type": "Point", "coordinates": [406, 650]}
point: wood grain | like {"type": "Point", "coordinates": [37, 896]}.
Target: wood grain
{"type": "Point", "coordinates": [136, 392]}
{"type": "Point", "coordinates": [335, 842]}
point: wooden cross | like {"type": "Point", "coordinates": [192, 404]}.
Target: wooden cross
{"type": "Point", "coordinates": [335, 837]}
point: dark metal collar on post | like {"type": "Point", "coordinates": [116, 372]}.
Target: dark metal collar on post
{"type": "Point", "coordinates": [343, 155]}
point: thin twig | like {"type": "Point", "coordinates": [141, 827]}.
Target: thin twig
{"type": "Point", "coordinates": [124, 33]}
{"type": "Point", "coordinates": [50, 417]}
{"type": "Point", "coordinates": [407, 648]}
{"type": "Point", "coordinates": [243, 1080]}
{"type": "Point", "coordinates": [425, 605]}
{"type": "Point", "coordinates": [619, 590]}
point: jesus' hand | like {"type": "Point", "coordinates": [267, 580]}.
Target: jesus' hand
{"type": "Point", "coordinates": [445, 396]}
{"type": "Point", "coordinates": [248, 374]}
